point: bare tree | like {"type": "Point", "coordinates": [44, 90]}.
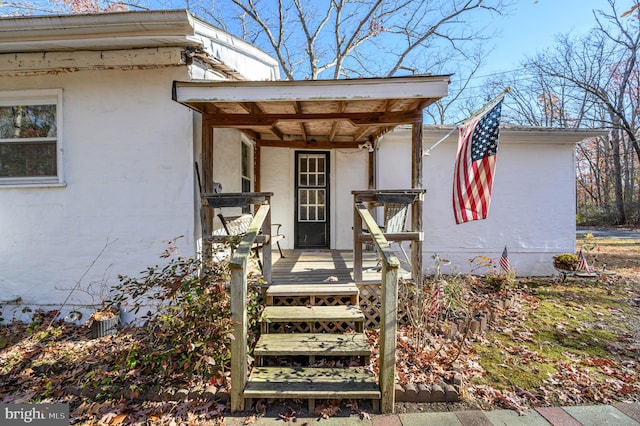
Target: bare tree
{"type": "Point", "coordinates": [357, 38]}
{"type": "Point", "coordinates": [591, 81]}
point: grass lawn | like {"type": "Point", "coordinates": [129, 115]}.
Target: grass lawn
{"type": "Point", "coordinates": [570, 342]}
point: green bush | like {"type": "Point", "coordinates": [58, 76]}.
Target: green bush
{"type": "Point", "coordinates": [189, 321]}
{"type": "Point", "coordinates": [566, 261]}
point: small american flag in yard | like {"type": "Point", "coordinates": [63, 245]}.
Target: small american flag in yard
{"type": "Point", "coordinates": [582, 263]}
{"type": "Point", "coordinates": [436, 297]}
{"type": "Point", "coordinates": [475, 166]}
{"type": "Point", "coordinates": [505, 265]}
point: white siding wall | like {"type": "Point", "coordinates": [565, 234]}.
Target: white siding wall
{"type": "Point", "coordinates": [128, 159]}
{"type": "Point", "coordinates": [532, 209]}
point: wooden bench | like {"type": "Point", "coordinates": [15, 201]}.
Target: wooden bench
{"type": "Point", "coordinates": [238, 225]}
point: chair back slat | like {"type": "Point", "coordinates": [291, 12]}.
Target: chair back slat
{"type": "Point", "coordinates": [395, 217]}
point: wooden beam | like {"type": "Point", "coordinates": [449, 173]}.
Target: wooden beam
{"type": "Point", "coordinates": [388, 308]}
{"type": "Point", "coordinates": [342, 105]}
{"type": "Point", "coordinates": [416, 207]}
{"type": "Point", "coordinates": [399, 236]}
{"type": "Point", "coordinates": [361, 131]}
{"type": "Point", "coordinates": [357, 118]}
{"type": "Point", "coordinates": [239, 358]}
{"type": "Point", "coordinates": [251, 133]}
{"type": "Point", "coordinates": [391, 104]}
{"type": "Point", "coordinates": [206, 179]}
{"type": "Point", "coordinates": [303, 129]}
{"type": "Point", "coordinates": [388, 337]}
{"type": "Point", "coordinates": [372, 169]}
{"type": "Point", "coordinates": [276, 132]}
{"type": "Point", "coordinates": [257, 181]}
{"type": "Point", "coordinates": [306, 145]}
{"type": "Point", "coordinates": [251, 107]}
{"type": "Point", "coordinates": [238, 267]}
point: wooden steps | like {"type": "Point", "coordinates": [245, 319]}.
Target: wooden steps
{"type": "Point", "coordinates": [312, 344]}
{"type": "Point", "coordinates": [312, 383]}
{"type": "Point", "coordinates": [312, 320]}
{"type": "Point", "coordinates": [345, 344]}
{"type": "Point", "coordinates": [273, 314]}
{"type": "Point", "coordinates": [312, 294]}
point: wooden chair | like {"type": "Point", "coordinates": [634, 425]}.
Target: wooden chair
{"type": "Point", "coordinates": [395, 221]}
{"type": "Point", "coordinates": [238, 225]}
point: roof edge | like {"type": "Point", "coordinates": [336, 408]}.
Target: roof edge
{"type": "Point", "coordinates": [512, 134]}
{"type": "Point", "coordinates": [30, 28]}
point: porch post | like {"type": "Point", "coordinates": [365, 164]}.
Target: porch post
{"type": "Point", "coordinates": [416, 207]}
{"type": "Point", "coordinates": [357, 242]}
{"type": "Point", "coordinates": [206, 169]}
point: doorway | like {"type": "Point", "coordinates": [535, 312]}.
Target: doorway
{"type": "Point", "coordinates": [312, 200]}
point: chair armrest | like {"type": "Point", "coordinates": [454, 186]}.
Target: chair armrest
{"type": "Point", "coordinates": [224, 223]}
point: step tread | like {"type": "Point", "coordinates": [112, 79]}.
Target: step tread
{"type": "Point", "coordinates": [281, 290]}
{"type": "Point", "coordinates": [308, 344]}
{"type": "Point", "coordinates": [316, 383]}
{"type": "Point", "coordinates": [272, 314]}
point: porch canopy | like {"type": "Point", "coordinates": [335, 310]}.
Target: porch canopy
{"type": "Point", "coordinates": [317, 114]}
{"type": "Point", "coordinates": [313, 113]}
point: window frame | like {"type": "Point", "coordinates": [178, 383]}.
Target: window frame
{"type": "Point", "coordinates": [245, 144]}
{"type": "Point", "coordinates": [37, 97]}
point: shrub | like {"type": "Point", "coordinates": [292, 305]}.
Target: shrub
{"type": "Point", "coordinates": [566, 261]}
{"type": "Point", "coordinates": [189, 324]}
{"type": "Point", "coordinates": [500, 281]}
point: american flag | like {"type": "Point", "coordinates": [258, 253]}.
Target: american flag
{"type": "Point", "coordinates": [475, 165]}
{"type": "Point", "coordinates": [582, 263]}
{"type": "Point", "coordinates": [505, 265]}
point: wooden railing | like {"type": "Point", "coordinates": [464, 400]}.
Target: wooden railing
{"type": "Point", "coordinates": [238, 266]}
{"type": "Point", "coordinates": [243, 199]}
{"type": "Point", "coordinates": [388, 309]}
{"type": "Point", "coordinates": [380, 197]}
{"type": "Point", "coordinates": [259, 229]}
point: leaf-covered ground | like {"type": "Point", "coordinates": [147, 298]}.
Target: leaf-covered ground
{"type": "Point", "coordinates": [572, 342]}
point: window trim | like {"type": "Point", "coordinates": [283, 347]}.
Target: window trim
{"type": "Point", "coordinates": [37, 97]}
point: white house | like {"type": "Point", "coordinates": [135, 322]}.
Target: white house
{"type": "Point", "coordinates": [101, 166]}
{"type": "Point", "coordinates": [114, 177]}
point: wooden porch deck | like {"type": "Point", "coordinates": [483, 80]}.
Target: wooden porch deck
{"type": "Point", "coordinates": [324, 266]}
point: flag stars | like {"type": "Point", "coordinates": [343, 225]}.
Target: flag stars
{"type": "Point", "coordinates": [485, 136]}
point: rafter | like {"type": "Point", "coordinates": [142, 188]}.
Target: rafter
{"type": "Point", "coordinates": [334, 126]}
{"type": "Point", "coordinates": [251, 107]}
{"type": "Point", "coordinates": [303, 128]}
{"type": "Point", "coordinates": [361, 131]}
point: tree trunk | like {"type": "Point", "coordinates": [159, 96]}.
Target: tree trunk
{"type": "Point", "coordinates": [614, 140]}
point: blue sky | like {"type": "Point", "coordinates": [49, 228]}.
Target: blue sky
{"type": "Point", "coordinates": [532, 26]}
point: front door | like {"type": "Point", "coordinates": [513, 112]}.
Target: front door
{"type": "Point", "coordinates": [312, 200]}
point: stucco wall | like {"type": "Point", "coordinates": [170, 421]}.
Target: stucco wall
{"type": "Point", "coordinates": [128, 160]}
{"type": "Point", "coordinates": [532, 209]}
{"type": "Point", "coordinates": [348, 169]}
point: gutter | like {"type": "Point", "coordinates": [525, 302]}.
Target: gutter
{"type": "Point", "coordinates": [87, 26]}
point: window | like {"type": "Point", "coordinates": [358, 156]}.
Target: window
{"type": "Point", "coordinates": [30, 151]}
{"type": "Point", "coordinates": [246, 171]}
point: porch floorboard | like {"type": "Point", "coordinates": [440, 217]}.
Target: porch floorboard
{"type": "Point", "coordinates": [323, 266]}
